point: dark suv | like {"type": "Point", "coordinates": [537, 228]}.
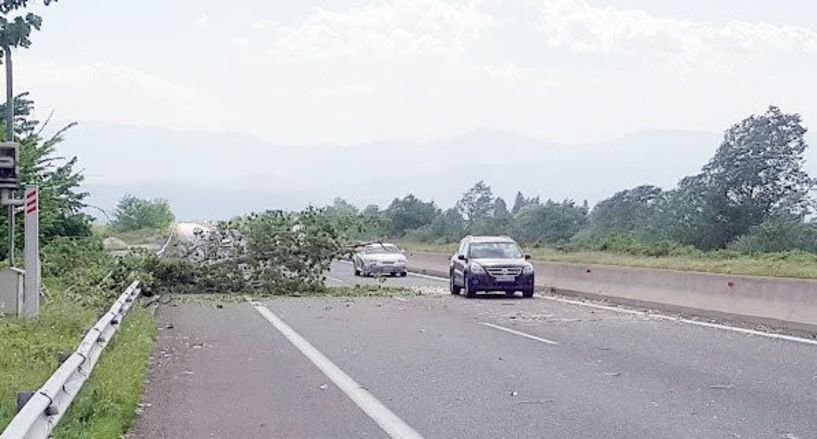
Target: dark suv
{"type": "Point", "coordinates": [490, 263]}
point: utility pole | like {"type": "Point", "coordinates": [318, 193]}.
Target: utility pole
{"type": "Point", "coordinates": [9, 138]}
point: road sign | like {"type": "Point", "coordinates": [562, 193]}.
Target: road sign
{"type": "Point", "coordinates": [9, 166]}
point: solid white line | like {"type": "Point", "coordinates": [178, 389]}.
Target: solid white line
{"type": "Point", "coordinates": [426, 276]}
{"type": "Point", "coordinates": [513, 331]}
{"type": "Point", "coordinates": [388, 421]}
{"type": "Point", "coordinates": [334, 279]}
{"type": "Point", "coordinates": [751, 332]}
{"type": "Point", "coordinates": [658, 316]}
{"type": "Point", "coordinates": [400, 299]}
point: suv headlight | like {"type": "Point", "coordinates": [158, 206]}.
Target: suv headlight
{"type": "Point", "coordinates": [477, 269]}
{"type": "Point", "coordinates": [527, 269]}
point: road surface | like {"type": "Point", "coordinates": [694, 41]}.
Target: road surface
{"type": "Point", "coordinates": [440, 366]}
{"type": "Point", "coordinates": [342, 275]}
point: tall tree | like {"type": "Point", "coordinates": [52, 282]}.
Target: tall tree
{"type": "Point", "coordinates": [518, 203]}
{"type": "Point", "coordinates": [134, 213]}
{"type": "Point", "coordinates": [409, 213]}
{"type": "Point", "coordinates": [15, 31]}
{"type": "Point", "coordinates": [757, 172]}
{"type": "Point", "coordinates": [500, 208]}
{"type": "Point", "coordinates": [628, 211]}
{"type": "Point", "coordinates": [341, 208]}
{"type": "Point", "coordinates": [477, 203]}
{"type": "Point", "coordinates": [448, 226]}
{"type": "Point", "coordinates": [61, 199]}
{"type": "Point", "coordinates": [550, 222]}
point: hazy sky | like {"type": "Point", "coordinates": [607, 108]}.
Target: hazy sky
{"type": "Point", "coordinates": [354, 70]}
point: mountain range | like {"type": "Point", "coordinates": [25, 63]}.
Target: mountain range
{"type": "Point", "coordinates": [216, 175]}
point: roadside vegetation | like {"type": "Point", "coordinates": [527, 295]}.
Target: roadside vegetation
{"type": "Point", "coordinates": [748, 211]}
{"type": "Point", "coordinates": [793, 264]}
{"type": "Point", "coordinates": [137, 222]}
{"type": "Point", "coordinates": [107, 405]}
{"type": "Point", "coordinates": [80, 281]}
{"type": "Point", "coordinates": [134, 215]}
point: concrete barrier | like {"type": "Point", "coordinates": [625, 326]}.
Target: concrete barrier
{"type": "Point", "coordinates": [786, 303]}
{"type": "Point", "coordinates": [12, 281]}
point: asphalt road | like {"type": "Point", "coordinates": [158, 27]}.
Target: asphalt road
{"type": "Point", "coordinates": [447, 367]}
{"type": "Point", "coordinates": [342, 275]}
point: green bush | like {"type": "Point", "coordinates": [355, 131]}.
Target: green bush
{"type": "Point", "coordinates": [779, 235]}
{"type": "Point", "coordinates": [630, 244]}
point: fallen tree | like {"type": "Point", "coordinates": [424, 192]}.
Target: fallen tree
{"type": "Point", "coordinates": [273, 252]}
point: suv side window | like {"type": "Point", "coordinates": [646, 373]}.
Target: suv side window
{"type": "Point", "coordinates": [461, 250]}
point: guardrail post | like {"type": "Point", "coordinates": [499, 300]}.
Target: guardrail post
{"type": "Point", "coordinates": [22, 399]}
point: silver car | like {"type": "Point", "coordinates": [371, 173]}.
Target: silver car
{"type": "Point", "coordinates": [379, 259]}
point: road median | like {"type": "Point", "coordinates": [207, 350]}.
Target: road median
{"type": "Point", "coordinates": [778, 302]}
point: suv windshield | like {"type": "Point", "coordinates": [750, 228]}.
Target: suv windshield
{"type": "Point", "coordinates": [380, 250]}
{"type": "Point", "coordinates": [495, 250]}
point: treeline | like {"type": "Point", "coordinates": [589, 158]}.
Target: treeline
{"type": "Point", "coordinates": [753, 196]}
{"type": "Point", "coordinates": [60, 196]}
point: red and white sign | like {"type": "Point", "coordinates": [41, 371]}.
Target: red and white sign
{"type": "Point", "coordinates": [32, 200]}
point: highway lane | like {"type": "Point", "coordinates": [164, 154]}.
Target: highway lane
{"type": "Point", "coordinates": [435, 363]}
{"type": "Point", "coordinates": [451, 367]}
{"type": "Point", "coordinates": [341, 274]}
{"type": "Point", "coordinates": [220, 372]}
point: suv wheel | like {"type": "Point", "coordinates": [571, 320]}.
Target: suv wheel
{"type": "Point", "coordinates": [527, 293]}
{"type": "Point", "coordinates": [453, 286]}
{"type": "Point", "coordinates": [469, 293]}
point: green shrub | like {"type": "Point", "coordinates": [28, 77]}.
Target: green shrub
{"type": "Point", "coordinates": [779, 235]}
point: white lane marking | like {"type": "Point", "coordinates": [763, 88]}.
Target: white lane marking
{"type": "Point", "coordinates": [342, 261]}
{"type": "Point", "coordinates": [664, 317]}
{"type": "Point", "coordinates": [513, 331]}
{"type": "Point", "coordinates": [334, 279]}
{"type": "Point", "coordinates": [399, 298]}
{"type": "Point", "coordinates": [385, 418]}
{"type": "Point", "coordinates": [425, 276]}
{"type": "Point", "coordinates": [659, 316]}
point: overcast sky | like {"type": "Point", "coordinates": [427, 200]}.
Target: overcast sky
{"type": "Point", "coordinates": [357, 70]}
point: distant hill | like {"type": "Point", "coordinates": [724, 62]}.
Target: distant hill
{"type": "Point", "coordinates": [219, 175]}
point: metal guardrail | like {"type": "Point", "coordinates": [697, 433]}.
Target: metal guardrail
{"type": "Point", "coordinates": [45, 408]}
{"type": "Point", "coordinates": [167, 242]}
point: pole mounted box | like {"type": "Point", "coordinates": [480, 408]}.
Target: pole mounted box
{"type": "Point", "coordinates": [9, 165]}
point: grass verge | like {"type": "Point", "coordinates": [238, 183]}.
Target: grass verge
{"type": "Point", "coordinates": [30, 350]}
{"type": "Point", "coordinates": [106, 406]}
{"type": "Point", "coordinates": [796, 265]}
